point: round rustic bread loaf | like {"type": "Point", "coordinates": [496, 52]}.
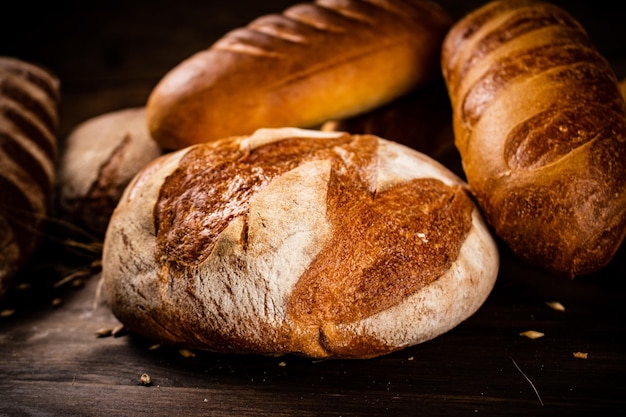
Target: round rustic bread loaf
{"type": "Point", "coordinates": [321, 244]}
{"type": "Point", "coordinates": [99, 158]}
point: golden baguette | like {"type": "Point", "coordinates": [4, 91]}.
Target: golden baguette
{"type": "Point", "coordinates": [314, 62]}
{"type": "Point", "coordinates": [540, 123]}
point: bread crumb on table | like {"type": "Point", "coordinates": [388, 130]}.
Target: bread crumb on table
{"type": "Point", "coordinates": [186, 353]}
{"type": "Point", "coordinates": [145, 380]}
{"type": "Point", "coordinates": [532, 334]}
{"type": "Point", "coordinates": [555, 305]}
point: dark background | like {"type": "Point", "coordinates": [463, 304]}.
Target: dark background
{"type": "Point", "coordinates": [109, 55]}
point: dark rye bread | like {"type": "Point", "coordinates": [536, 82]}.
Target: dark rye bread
{"type": "Point", "coordinates": [313, 62]}
{"type": "Point", "coordinates": [29, 100]}
{"type": "Point", "coordinates": [540, 124]}
{"type": "Point", "coordinates": [294, 241]}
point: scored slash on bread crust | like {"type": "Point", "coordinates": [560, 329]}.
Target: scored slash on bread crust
{"type": "Point", "coordinates": [294, 241]}
{"type": "Point", "coordinates": [540, 124]}
{"type": "Point", "coordinates": [313, 62]}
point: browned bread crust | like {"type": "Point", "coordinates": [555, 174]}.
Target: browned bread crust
{"type": "Point", "coordinates": [99, 158]}
{"type": "Point", "coordinates": [314, 62]}
{"type": "Point", "coordinates": [29, 100]}
{"type": "Point", "coordinates": [541, 127]}
{"type": "Point", "coordinates": [293, 241]}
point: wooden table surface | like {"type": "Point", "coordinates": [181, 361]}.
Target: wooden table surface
{"type": "Point", "coordinates": [52, 363]}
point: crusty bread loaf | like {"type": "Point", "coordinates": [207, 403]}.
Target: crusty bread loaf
{"type": "Point", "coordinates": [541, 128]}
{"type": "Point", "coordinates": [98, 159]}
{"type": "Point", "coordinates": [29, 100]}
{"type": "Point", "coordinates": [294, 241]}
{"type": "Point", "coordinates": [314, 62]}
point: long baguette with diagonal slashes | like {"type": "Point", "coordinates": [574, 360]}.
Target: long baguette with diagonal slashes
{"type": "Point", "coordinates": [322, 244]}
{"type": "Point", "coordinates": [540, 124]}
{"type": "Point", "coordinates": [29, 100]}
{"type": "Point", "coordinates": [314, 62]}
